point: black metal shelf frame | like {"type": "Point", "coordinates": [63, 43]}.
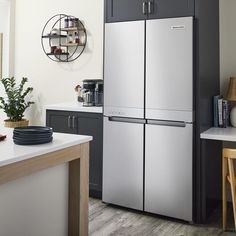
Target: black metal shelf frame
{"type": "Point", "coordinates": [72, 53]}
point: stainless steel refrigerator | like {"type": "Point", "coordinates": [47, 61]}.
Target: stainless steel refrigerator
{"type": "Point", "coordinates": [148, 116]}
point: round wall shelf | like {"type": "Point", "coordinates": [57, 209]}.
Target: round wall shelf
{"type": "Point", "coordinates": [63, 38]}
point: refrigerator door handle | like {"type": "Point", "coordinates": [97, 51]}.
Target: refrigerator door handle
{"type": "Point", "coordinates": [167, 123]}
{"type": "Point", "coordinates": [127, 120]}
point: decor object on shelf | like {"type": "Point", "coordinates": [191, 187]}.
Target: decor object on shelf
{"type": "Point", "coordinates": [15, 104]}
{"type": "Point", "coordinates": [63, 38]}
{"type": "Point", "coordinates": [231, 96]}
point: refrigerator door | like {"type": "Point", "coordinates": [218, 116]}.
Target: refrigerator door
{"type": "Point", "coordinates": [169, 63]}
{"type": "Point", "coordinates": [123, 163]}
{"type": "Point", "coordinates": [124, 69]}
{"type": "Point", "coordinates": [168, 169]}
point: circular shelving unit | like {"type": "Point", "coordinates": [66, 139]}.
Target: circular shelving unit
{"type": "Point", "coordinates": [63, 42]}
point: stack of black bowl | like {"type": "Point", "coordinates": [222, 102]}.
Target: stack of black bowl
{"type": "Point", "coordinates": [30, 135]}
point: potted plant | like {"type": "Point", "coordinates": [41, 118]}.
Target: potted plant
{"type": "Point", "coordinates": [15, 104]}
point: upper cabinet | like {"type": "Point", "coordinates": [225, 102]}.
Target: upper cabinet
{"type": "Point", "coordinates": [125, 10]}
{"type": "Point", "coordinates": [170, 8]}
{"type": "Point", "coordinates": [130, 10]}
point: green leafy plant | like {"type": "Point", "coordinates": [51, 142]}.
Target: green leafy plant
{"type": "Point", "coordinates": [14, 104]}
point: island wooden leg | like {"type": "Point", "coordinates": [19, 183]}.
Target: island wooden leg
{"type": "Point", "coordinates": [79, 193]}
{"type": "Point", "coordinates": [224, 190]}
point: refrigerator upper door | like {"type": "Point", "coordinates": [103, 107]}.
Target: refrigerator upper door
{"type": "Point", "coordinates": [169, 64]}
{"type": "Point", "coordinates": [124, 69]}
{"type": "Point", "coordinates": [123, 163]}
{"type": "Point", "coordinates": [168, 170]}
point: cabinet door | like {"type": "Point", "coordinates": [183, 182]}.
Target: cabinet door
{"type": "Point", "coordinates": [170, 8]}
{"type": "Point", "coordinates": [92, 124]}
{"type": "Point", "coordinates": [125, 10]}
{"type": "Point", "coordinates": [61, 121]}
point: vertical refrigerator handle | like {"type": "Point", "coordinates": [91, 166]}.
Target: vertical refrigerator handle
{"type": "Point", "coordinates": [167, 123]}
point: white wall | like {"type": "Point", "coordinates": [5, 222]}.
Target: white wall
{"type": "Point", "coordinates": [227, 42]}
{"type": "Point", "coordinates": [54, 82]}
{"type": "Point", "coordinates": [7, 27]}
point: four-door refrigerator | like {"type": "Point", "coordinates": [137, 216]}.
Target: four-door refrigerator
{"type": "Point", "coordinates": [148, 116]}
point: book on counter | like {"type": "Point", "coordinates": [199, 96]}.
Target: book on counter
{"type": "Point", "coordinates": [221, 112]}
{"type": "Point", "coordinates": [216, 110]}
{"type": "Point", "coordinates": [225, 113]}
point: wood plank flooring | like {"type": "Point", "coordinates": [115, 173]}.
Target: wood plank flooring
{"type": "Point", "coordinates": [107, 220]}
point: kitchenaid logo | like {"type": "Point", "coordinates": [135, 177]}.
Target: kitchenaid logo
{"type": "Point", "coordinates": [177, 27]}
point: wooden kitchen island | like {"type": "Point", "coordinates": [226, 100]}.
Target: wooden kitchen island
{"type": "Point", "coordinates": [19, 161]}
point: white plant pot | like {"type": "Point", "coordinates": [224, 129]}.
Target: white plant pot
{"type": "Point", "coordinates": [233, 116]}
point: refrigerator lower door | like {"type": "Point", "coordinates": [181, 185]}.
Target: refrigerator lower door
{"type": "Point", "coordinates": [168, 170]}
{"type": "Point", "coordinates": [124, 69]}
{"type": "Point", "coordinates": [169, 70]}
{"type": "Point", "coordinates": [123, 163]}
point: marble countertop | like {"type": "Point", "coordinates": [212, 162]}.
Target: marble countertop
{"type": "Point", "coordinates": [73, 106]}
{"type": "Point", "coordinates": [223, 134]}
{"type": "Point", "coordinates": [12, 153]}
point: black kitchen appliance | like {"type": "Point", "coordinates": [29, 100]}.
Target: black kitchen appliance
{"type": "Point", "coordinates": [91, 92]}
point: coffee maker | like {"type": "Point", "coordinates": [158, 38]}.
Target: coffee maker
{"type": "Point", "coordinates": [90, 93]}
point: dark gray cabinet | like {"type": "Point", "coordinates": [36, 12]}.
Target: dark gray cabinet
{"type": "Point", "coordinates": [170, 8]}
{"type": "Point", "coordinates": [85, 124]}
{"type": "Point", "coordinates": [130, 10]}
{"type": "Point", "coordinates": [123, 10]}
{"type": "Point", "coordinates": [91, 124]}
{"type": "Point", "coordinates": [62, 121]}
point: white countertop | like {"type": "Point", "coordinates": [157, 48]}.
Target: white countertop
{"type": "Point", "coordinates": [11, 153]}
{"type": "Point", "coordinates": [73, 106]}
{"type": "Point", "coordinates": [223, 134]}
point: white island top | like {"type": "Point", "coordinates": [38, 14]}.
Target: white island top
{"type": "Point", "coordinates": [222, 134]}
{"type": "Point", "coordinates": [11, 153]}
{"type": "Point", "coordinates": [73, 106]}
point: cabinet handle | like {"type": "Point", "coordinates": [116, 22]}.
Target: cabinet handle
{"type": "Point", "coordinates": [68, 122]}
{"type": "Point", "coordinates": [149, 7]}
{"type": "Point", "coordinates": [73, 122]}
{"type": "Point", "coordinates": [112, 8]}
{"type": "Point", "coordinates": [144, 8]}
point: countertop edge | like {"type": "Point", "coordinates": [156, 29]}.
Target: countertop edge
{"type": "Point", "coordinates": [77, 107]}
{"type": "Point", "coordinates": [24, 157]}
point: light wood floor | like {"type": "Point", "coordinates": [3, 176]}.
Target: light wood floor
{"type": "Point", "coordinates": [109, 220]}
